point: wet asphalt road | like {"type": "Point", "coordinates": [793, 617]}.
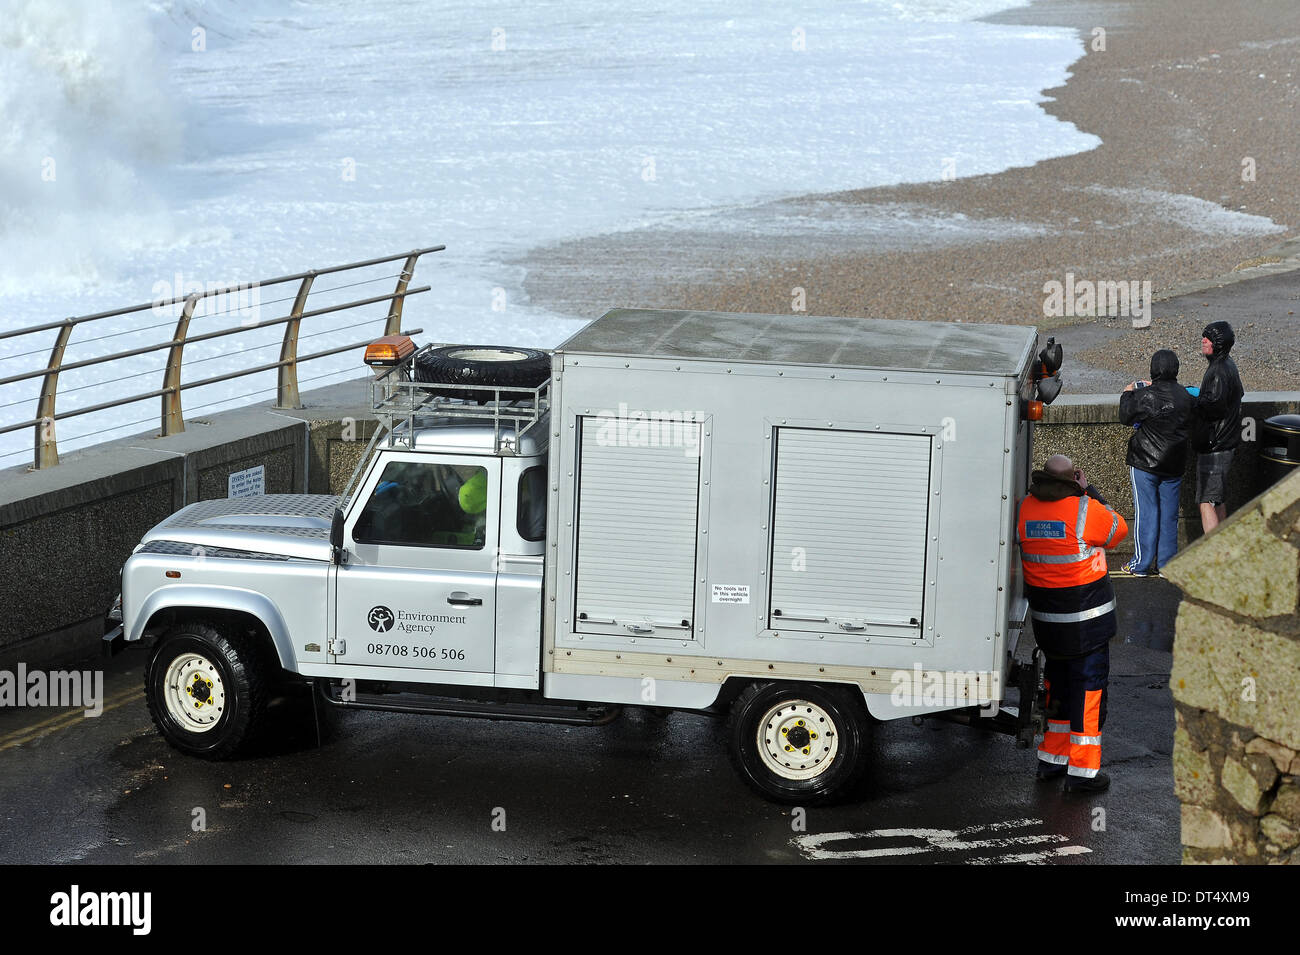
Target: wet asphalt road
{"type": "Point", "coordinates": [390, 788]}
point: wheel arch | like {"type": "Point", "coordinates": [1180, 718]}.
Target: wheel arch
{"type": "Point", "coordinates": [733, 686]}
{"type": "Point", "coordinates": [257, 612]}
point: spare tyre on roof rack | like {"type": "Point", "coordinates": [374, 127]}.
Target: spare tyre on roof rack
{"type": "Point", "coordinates": [483, 365]}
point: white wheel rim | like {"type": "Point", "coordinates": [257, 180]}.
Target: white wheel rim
{"type": "Point", "coordinates": [798, 740]}
{"type": "Point", "coordinates": [193, 692]}
{"type": "Point", "coordinates": [484, 354]}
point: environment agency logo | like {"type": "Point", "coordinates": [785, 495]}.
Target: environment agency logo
{"type": "Point", "coordinates": [380, 619]}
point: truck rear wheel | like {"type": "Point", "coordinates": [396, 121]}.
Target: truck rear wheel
{"type": "Point", "coordinates": [206, 689]}
{"type": "Point", "coordinates": [483, 365]}
{"type": "Point", "coordinates": [802, 744]}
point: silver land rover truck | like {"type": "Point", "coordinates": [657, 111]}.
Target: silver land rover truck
{"type": "Point", "coordinates": [802, 525]}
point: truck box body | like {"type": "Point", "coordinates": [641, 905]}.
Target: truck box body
{"type": "Point", "coordinates": [785, 496]}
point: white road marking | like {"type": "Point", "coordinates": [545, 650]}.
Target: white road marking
{"type": "Point", "coordinates": [816, 846]}
{"type": "Point", "coordinates": [1039, 857]}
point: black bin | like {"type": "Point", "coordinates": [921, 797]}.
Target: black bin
{"type": "Point", "coordinates": [1279, 448]}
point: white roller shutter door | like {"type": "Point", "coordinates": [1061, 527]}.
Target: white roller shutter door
{"type": "Point", "coordinates": [637, 520]}
{"type": "Point", "coordinates": [849, 531]}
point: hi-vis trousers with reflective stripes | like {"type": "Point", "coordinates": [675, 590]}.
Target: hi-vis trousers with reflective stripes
{"type": "Point", "coordinates": [1076, 711]}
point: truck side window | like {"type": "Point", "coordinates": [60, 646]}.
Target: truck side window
{"type": "Point", "coordinates": [426, 505]}
{"type": "Point", "coordinates": [531, 521]}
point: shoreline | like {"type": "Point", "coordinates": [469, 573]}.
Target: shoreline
{"type": "Point", "coordinates": [1180, 105]}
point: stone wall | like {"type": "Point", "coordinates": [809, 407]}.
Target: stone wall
{"type": "Point", "coordinates": [1236, 685]}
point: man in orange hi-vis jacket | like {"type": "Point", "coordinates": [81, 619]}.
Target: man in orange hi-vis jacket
{"type": "Point", "coordinates": [1065, 528]}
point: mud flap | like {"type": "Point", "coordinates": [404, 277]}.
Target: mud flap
{"type": "Point", "coordinates": [1031, 720]}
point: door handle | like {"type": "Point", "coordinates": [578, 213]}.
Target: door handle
{"type": "Point", "coordinates": [638, 628]}
{"type": "Point", "coordinates": [458, 598]}
{"type": "Point", "coordinates": [799, 617]}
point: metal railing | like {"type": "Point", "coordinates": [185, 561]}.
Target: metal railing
{"type": "Point", "coordinates": [46, 452]}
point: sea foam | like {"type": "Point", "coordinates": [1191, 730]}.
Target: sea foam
{"type": "Point", "coordinates": [283, 136]}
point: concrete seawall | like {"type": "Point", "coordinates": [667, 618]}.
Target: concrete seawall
{"type": "Point", "coordinates": [1087, 428]}
{"type": "Point", "coordinates": [65, 531]}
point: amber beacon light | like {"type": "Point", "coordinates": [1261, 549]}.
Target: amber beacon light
{"type": "Point", "coordinates": [389, 350]}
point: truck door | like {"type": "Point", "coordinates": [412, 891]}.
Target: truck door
{"type": "Point", "coordinates": [418, 588]}
{"type": "Point", "coordinates": [637, 540]}
{"type": "Point", "coordinates": [856, 505]}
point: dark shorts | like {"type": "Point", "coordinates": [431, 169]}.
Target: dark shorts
{"type": "Point", "coordinates": [1212, 477]}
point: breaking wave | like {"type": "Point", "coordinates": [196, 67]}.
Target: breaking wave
{"type": "Point", "coordinates": [90, 129]}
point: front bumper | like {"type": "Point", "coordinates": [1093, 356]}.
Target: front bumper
{"type": "Point", "coordinates": [114, 635]}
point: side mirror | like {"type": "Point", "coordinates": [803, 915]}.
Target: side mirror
{"type": "Point", "coordinates": [336, 537]}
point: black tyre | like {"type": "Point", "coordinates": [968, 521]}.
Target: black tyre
{"type": "Point", "coordinates": [207, 688]}
{"type": "Point", "coordinates": [483, 365]}
{"type": "Point", "coordinates": [800, 743]}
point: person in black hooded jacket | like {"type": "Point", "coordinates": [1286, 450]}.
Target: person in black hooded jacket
{"type": "Point", "coordinates": [1218, 424]}
{"type": "Point", "coordinates": [1157, 455]}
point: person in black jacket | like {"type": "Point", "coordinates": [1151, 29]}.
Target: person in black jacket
{"type": "Point", "coordinates": [1162, 413]}
{"type": "Point", "coordinates": [1218, 423]}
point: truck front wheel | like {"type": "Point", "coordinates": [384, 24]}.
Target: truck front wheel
{"type": "Point", "coordinates": [802, 744]}
{"type": "Point", "coordinates": [206, 688]}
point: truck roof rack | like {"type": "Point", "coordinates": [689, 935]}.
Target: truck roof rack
{"type": "Point", "coordinates": [403, 404]}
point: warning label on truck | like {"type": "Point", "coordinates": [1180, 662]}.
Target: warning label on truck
{"type": "Point", "coordinates": [731, 593]}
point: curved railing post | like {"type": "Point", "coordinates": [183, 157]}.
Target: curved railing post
{"type": "Point", "coordinates": [47, 447]}
{"type": "Point", "coordinates": [286, 394]}
{"type": "Point", "coordinates": [173, 422]}
{"type": "Point", "coordinates": [394, 324]}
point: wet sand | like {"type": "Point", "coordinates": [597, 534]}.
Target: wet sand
{"type": "Point", "coordinates": [1184, 94]}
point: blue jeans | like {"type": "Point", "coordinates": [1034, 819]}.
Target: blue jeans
{"type": "Point", "coordinates": [1155, 519]}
